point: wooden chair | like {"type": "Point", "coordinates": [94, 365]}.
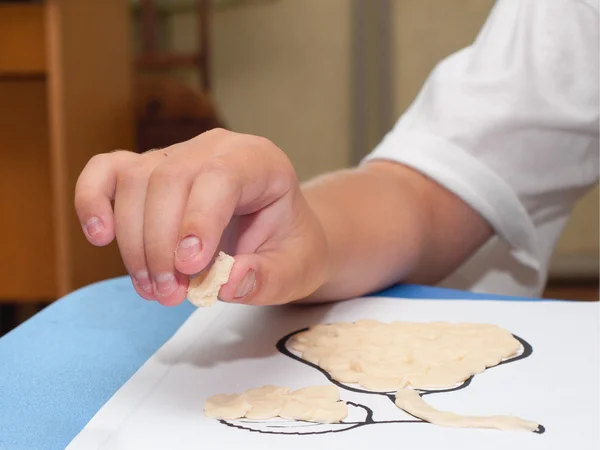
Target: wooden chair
{"type": "Point", "coordinates": [169, 111]}
{"type": "Point", "coordinates": [152, 58]}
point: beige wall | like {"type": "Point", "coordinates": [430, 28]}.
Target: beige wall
{"type": "Point", "coordinates": [424, 32]}
{"type": "Point", "coordinates": [280, 70]}
{"type": "Point", "coordinates": [578, 248]}
{"type": "Point", "coordinates": [581, 234]}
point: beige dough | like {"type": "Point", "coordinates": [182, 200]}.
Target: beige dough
{"type": "Point", "coordinates": [385, 357]}
{"type": "Point", "coordinates": [410, 401]}
{"type": "Point", "coordinates": [227, 406]}
{"type": "Point", "coordinates": [266, 402]}
{"type": "Point", "coordinates": [204, 288]}
{"type": "Point", "coordinates": [313, 404]}
{"type": "Point", "coordinates": [297, 409]}
{"type": "Point", "coordinates": [382, 357]}
{"type": "Point", "coordinates": [317, 395]}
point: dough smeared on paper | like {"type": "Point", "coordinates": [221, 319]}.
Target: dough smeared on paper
{"type": "Point", "coordinates": [315, 404]}
{"type": "Point", "coordinates": [227, 406]}
{"type": "Point", "coordinates": [204, 288]}
{"type": "Point", "coordinates": [319, 404]}
{"type": "Point", "coordinates": [411, 402]}
{"type": "Point", "coordinates": [385, 357]}
{"type": "Point", "coordinates": [266, 402]}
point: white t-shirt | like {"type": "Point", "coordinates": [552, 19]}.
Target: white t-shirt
{"type": "Point", "coordinates": [510, 125]}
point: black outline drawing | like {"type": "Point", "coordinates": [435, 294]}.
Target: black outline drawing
{"type": "Point", "coordinates": [275, 427]}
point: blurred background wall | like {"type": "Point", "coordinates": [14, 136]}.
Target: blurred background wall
{"type": "Point", "coordinates": [286, 69]}
{"type": "Point", "coordinates": [279, 69]}
{"type": "Point", "coordinates": [323, 79]}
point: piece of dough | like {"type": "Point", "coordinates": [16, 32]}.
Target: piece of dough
{"type": "Point", "coordinates": [313, 404]}
{"type": "Point", "coordinates": [388, 356]}
{"type": "Point", "coordinates": [227, 406]}
{"type": "Point", "coordinates": [317, 395]}
{"type": "Point", "coordinates": [295, 409]}
{"type": "Point", "coordinates": [266, 402]}
{"type": "Point", "coordinates": [332, 412]}
{"type": "Point", "coordinates": [204, 288]}
{"type": "Point", "coordinates": [411, 402]}
{"type": "Point", "coordinates": [382, 384]}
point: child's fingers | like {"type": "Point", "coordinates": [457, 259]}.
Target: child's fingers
{"type": "Point", "coordinates": [213, 197]}
{"type": "Point", "coordinates": [166, 198]}
{"type": "Point", "coordinates": [94, 191]}
{"type": "Point", "coordinates": [263, 278]}
{"type": "Point", "coordinates": [282, 255]}
{"type": "Point", "coordinates": [129, 226]}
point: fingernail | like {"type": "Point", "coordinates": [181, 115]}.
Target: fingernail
{"type": "Point", "coordinates": [188, 248]}
{"type": "Point", "coordinates": [246, 285]}
{"type": "Point", "coordinates": [143, 281]}
{"type": "Point", "coordinates": [166, 284]}
{"type": "Point", "coordinates": [93, 226]}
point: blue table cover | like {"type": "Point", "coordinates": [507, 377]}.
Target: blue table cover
{"type": "Point", "coordinates": [59, 368]}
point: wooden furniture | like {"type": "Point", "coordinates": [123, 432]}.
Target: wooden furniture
{"type": "Point", "coordinates": [65, 95]}
{"type": "Point", "coordinates": [152, 57]}
{"type": "Point", "coordinates": [167, 110]}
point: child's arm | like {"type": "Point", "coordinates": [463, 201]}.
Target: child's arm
{"type": "Point", "coordinates": [343, 235]}
{"type": "Point", "coordinates": [386, 223]}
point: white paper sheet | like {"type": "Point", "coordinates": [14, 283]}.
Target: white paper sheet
{"type": "Point", "coordinates": [230, 348]}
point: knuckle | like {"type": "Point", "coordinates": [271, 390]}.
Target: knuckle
{"type": "Point", "coordinates": [265, 143]}
{"type": "Point", "coordinates": [258, 145]}
{"type": "Point", "coordinates": [165, 174]}
{"type": "Point", "coordinates": [220, 168]}
{"type": "Point", "coordinates": [132, 175]}
{"type": "Point", "coordinates": [269, 150]}
{"type": "Point", "coordinates": [217, 165]}
{"type": "Point", "coordinates": [218, 133]}
{"type": "Point", "coordinates": [287, 170]}
{"type": "Point", "coordinates": [100, 160]}
{"type": "Point", "coordinates": [105, 159]}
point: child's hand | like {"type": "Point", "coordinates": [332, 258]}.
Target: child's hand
{"type": "Point", "coordinates": [173, 208]}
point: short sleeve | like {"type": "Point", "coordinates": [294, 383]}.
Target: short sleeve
{"type": "Point", "coordinates": [510, 124]}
